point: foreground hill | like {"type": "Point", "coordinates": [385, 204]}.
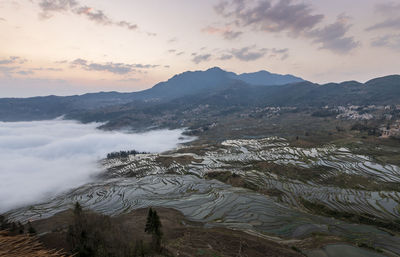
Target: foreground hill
{"type": "Point", "coordinates": [24, 245]}
{"type": "Point", "coordinates": [124, 235]}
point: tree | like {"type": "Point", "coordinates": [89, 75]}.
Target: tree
{"type": "Point", "coordinates": [4, 224]}
{"type": "Point", "coordinates": [139, 250]}
{"type": "Point", "coordinates": [153, 227]}
{"type": "Point", "coordinates": [31, 229]}
{"type": "Point", "coordinates": [77, 209]}
{"type": "Point", "coordinates": [78, 233]}
{"type": "Point", "coordinates": [21, 228]}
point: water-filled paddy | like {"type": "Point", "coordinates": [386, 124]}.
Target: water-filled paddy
{"type": "Point", "coordinates": [176, 180]}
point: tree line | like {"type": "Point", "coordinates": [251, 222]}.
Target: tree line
{"type": "Point", "coordinates": [123, 154]}
{"type": "Point", "coordinates": [15, 228]}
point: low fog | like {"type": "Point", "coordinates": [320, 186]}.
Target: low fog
{"type": "Point", "coordinates": [42, 158]}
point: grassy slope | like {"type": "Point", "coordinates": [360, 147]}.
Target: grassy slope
{"type": "Point", "coordinates": [181, 237]}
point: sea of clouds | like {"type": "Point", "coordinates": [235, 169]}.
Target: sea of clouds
{"type": "Point", "coordinates": [40, 159]}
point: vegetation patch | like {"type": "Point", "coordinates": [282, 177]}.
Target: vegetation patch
{"type": "Point", "coordinates": [293, 172]}
{"type": "Point", "coordinates": [367, 219]}
{"type": "Point", "coordinates": [183, 160]}
{"type": "Point", "coordinates": [145, 232]}
{"type": "Point", "coordinates": [24, 245]}
{"type": "Point", "coordinates": [123, 154]}
{"type": "Point", "coordinates": [236, 180]}
{"type": "Point", "coordinates": [353, 181]}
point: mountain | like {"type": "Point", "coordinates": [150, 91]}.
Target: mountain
{"type": "Point", "coordinates": [181, 85]}
{"type": "Point", "coordinates": [49, 107]}
{"type": "Point", "coordinates": [214, 79]}
{"type": "Point", "coordinates": [189, 83]}
{"type": "Point", "coordinates": [214, 87]}
{"type": "Point", "coordinates": [266, 78]}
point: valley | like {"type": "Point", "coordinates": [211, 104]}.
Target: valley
{"type": "Point", "coordinates": [220, 128]}
{"type": "Point", "coordinates": [262, 186]}
{"type": "Point", "coordinates": [307, 169]}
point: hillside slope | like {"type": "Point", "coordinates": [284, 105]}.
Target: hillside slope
{"type": "Point", "coordinates": [214, 87]}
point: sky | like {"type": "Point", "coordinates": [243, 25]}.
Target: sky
{"type": "Point", "coordinates": [66, 47]}
{"type": "Point", "coordinates": [40, 159]}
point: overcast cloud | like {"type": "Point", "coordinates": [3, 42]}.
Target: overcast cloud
{"type": "Point", "coordinates": [50, 7]}
{"type": "Point", "coordinates": [42, 158]}
{"type": "Point", "coordinates": [116, 68]}
{"type": "Point", "coordinates": [297, 19]}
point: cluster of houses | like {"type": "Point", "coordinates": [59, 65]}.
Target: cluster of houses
{"type": "Point", "coordinates": [392, 130]}
{"type": "Point", "coordinates": [352, 113]}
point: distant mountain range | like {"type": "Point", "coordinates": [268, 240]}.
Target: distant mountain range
{"type": "Point", "coordinates": [215, 87]}
{"type": "Point", "coordinates": [193, 82]}
{"type": "Point", "coordinates": [265, 78]}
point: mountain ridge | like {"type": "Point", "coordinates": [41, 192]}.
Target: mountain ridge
{"type": "Point", "coordinates": [215, 78]}
{"type": "Point", "coordinates": [212, 86]}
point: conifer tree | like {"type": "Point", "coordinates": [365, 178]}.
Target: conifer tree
{"type": "Point", "coordinates": [153, 227]}
{"type": "Point", "coordinates": [149, 222]}
{"type": "Point", "coordinates": [31, 230]}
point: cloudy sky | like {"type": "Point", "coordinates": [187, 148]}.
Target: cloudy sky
{"type": "Point", "coordinates": [75, 46]}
